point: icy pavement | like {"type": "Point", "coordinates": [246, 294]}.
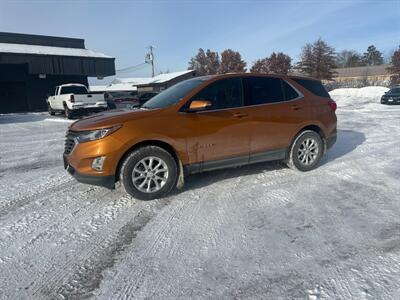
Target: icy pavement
{"type": "Point", "coordinates": [261, 231]}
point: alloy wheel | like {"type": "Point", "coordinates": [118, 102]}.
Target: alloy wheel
{"type": "Point", "coordinates": [150, 174]}
{"type": "Point", "coordinates": [308, 151]}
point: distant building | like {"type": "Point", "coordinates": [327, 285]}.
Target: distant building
{"type": "Point", "coordinates": [152, 84]}
{"type": "Point", "coordinates": [366, 73]}
{"type": "Point", "coordinates": [31, 66]}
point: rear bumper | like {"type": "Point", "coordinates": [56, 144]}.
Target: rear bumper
{"type": "Point", "coordinates": [330, 141]}
{"type": "Point", "coordinates": [104, 181]}
{"type": "Point", "coordinates": [78, 109]}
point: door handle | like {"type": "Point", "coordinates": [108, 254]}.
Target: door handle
{"type": "Point", "coordinates": [296, 107]}
{"type": "Point", "coordinates": [239, 115]}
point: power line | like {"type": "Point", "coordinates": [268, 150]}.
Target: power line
{"type": "Point", "coordinates": [149, 59]}
{"type": "Point", "coordinates": [133, 68]}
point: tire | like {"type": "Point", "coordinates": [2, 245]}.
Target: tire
{"type": "Point", "coordinates": [50, 110]}
{"type": "Point", "coordinates": [141, 178]}
{"type": "Point", "coordinates": [68, 112]}
{"type": "Point", "coordinates": [306, 151]}
{"type": "Point", "coordinates": [111, 105]}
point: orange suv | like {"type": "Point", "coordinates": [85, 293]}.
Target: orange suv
{"type": "Point", "coordinates": [201, 124]}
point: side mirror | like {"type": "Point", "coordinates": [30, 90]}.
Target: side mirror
{"type": "Point", "coordinates": [199, 105]}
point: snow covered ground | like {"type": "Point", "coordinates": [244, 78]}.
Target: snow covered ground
{"type": "Point", "coordinates": [261, 231]}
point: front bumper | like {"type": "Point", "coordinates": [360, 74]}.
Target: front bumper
{"type": "Point", "coordinates": [391, 101]}
{"type": "Point", "coordinates": [104, 181]}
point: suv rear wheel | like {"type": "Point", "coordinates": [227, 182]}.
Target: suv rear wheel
{"type": "Point", "coordinates": [306, 151]}
{"type": "Point", "coordinates": [149, 172]}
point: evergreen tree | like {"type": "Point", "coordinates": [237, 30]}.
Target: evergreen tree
{"type": "Point", "coordinates": [318, 60]}
{"type": "Point", "coordinates": [199, 63]}
{"type": "Point", "coordinates": [373, 56]}
{"type": "Point", "coordinates": [231, 62]}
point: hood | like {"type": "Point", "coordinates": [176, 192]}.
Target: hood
{"type": "Point", "coordinates": [109, 118]}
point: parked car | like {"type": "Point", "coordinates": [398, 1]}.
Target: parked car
{"type": "Point", "coordinates": [392, 96]}
{"type": "Point", "coordinates": [201, 124]}
{"type": "Point", "coordinates": [74, 98]}
{"type": "Point", "coordinates": [143, 98]}
{"type": "Point", "coordinates": [122, 99]}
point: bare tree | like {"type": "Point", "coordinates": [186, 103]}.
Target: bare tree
{"type": "Point", "coordinates": [260, 66]}
{"type": "Point", "coordinates": [394, 68]}
{"type": "Point", "coordinates": [213, 63]}
{"type": "Point", "coordinates": [349, 59]}
{"type": "Point", "coordinates": [231, 62]}
{"type": "Point", "coordinates": [278, 63]}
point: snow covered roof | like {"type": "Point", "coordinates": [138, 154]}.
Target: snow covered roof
{"type": "Point", "coordinates": [161, 78]}
{"type": "Point", "coordinates": [49, 50]}
{"type": "Point", "coordinates": [97, 88]}
{"type": "Point", "coordinates": [113, 87]}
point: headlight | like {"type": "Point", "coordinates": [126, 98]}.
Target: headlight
{"type": "Point", "coordinates": [92, 135]}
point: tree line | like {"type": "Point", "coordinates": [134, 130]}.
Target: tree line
{"type": "Point", "coordinates": [317, 59]}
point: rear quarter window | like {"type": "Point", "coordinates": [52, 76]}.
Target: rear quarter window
{"type": "Point", "coordinates": [314, 86]}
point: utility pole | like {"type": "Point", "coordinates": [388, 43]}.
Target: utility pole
{"type": "Point", "coordinates": [150, 59]}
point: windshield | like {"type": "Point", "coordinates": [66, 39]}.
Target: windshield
{"type": "Point", "coordinates": [173, 94]}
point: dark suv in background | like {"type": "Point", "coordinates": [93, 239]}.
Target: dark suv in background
{"type": "Point", "coordinates": [392, 96]}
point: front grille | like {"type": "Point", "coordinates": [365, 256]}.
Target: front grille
{"type": "Point", "coordinates": [69, 142]}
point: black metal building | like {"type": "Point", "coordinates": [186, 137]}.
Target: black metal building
{"type": "Point", "coordinates": [31, 66]}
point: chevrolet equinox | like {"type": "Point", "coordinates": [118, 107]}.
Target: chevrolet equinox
{"type": "Point", "coordinates": [201, 124]}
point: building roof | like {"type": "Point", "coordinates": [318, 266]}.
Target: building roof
{"type": "Point", "coordinates": [161, 78]}
{"type": "Point", "coordinates": [362, 71]}
{"type": "Point", "coordinates": [53, 55]}
{"type": "Point", "coordinates": [49, 50]}
{"type": "Point", "coordinates": [43, 40]}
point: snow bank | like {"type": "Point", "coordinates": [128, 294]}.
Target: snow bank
{"type": "Point", "coordinates": [358, 96]}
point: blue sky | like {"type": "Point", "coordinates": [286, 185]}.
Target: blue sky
{"type": "Point", "coordinates": [124, 29]}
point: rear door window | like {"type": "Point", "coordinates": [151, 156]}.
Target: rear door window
{"type": "Point", "coordinates": [314, 86]}
{"type": "Point", "coordinates": [225, 93]}
{"type": "Point", "coordinates": [264, 90]}
{"type": "Point", "coordinates": [289, 92]}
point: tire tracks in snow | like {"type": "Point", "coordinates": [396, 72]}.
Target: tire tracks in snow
{"type": "Point", "coordinates": [83, 275]}
{"type": "Point", "coordinates": [33, 194]}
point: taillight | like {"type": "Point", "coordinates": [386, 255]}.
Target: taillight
{"type": "Point", "coordinates": [332, 104]}
{"type": "Point", "coordinates": [72, 98]}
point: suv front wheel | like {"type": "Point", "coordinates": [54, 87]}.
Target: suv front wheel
{"type": "Point", "coordinates": [149, 172]}
{"type": "Point", "coordinates": [306, 151]}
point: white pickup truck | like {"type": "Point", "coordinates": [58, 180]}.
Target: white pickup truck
{"type": "Point", "coordinates": [73, 98]}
